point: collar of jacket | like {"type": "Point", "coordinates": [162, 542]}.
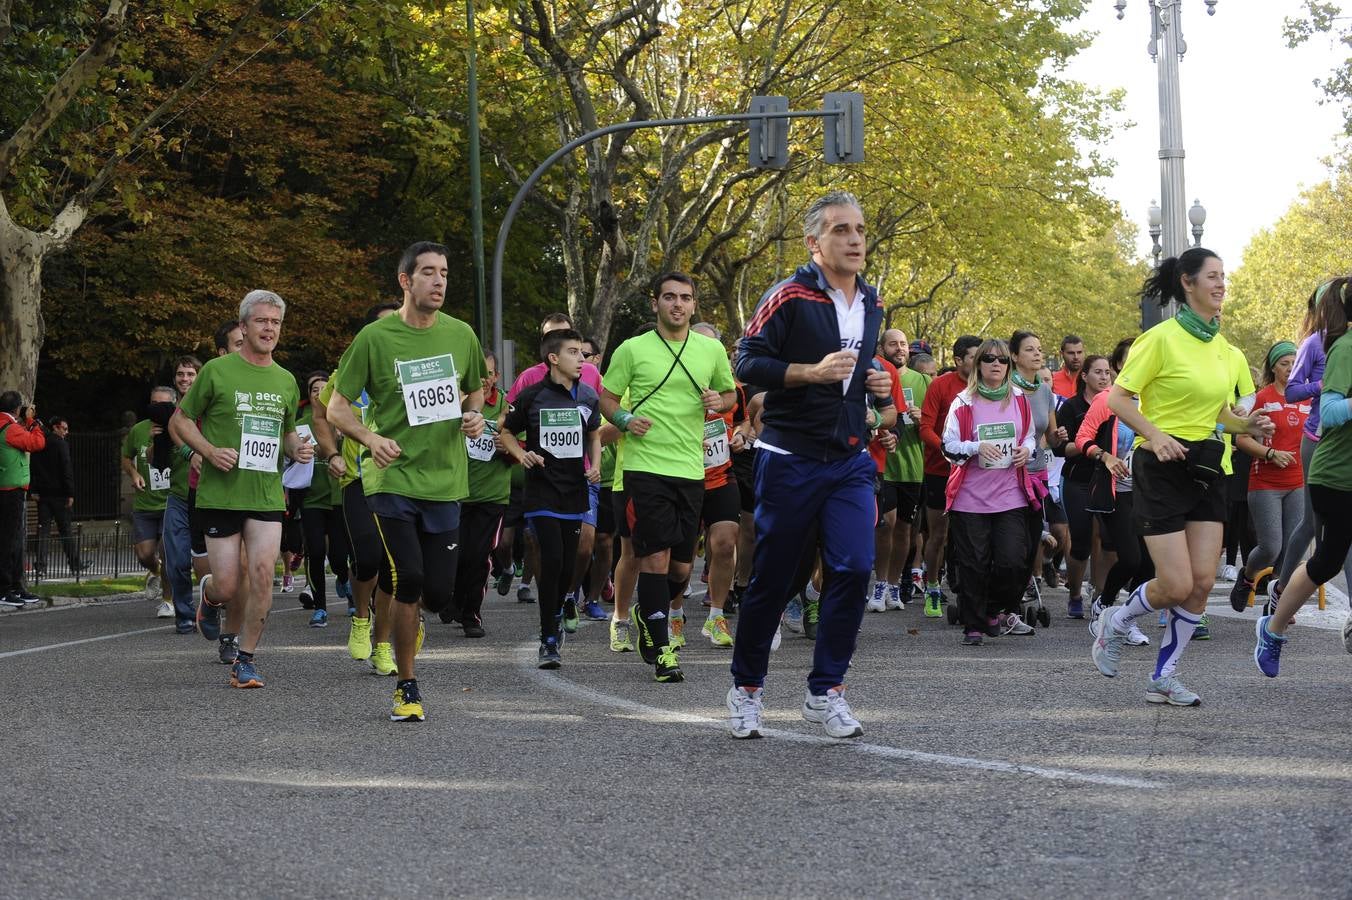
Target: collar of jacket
{"type": "Point", "coordinates": [812, 275]}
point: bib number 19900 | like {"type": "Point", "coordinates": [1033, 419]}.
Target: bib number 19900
{"type": "Point", "coordinates": [561, 433]}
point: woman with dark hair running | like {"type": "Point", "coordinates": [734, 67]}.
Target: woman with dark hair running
{"type": "Point", "coordinates": [1329, 482]}
{"type": "Point", "coordinates": [1186, 375]}
{"type": "Point", "coordinates": [1093, 378]}
{"type": "Point", "coordinates": [1027, 360]}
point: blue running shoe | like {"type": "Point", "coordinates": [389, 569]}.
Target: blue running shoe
{"type": "Point", "coordinates": [1075, 608]}
{"type": "Point", "coordinates": [594, 612]}
{"type": "Point", "coordinates": [244, 675]}
{"type": "Point", "coordinates": [793, 615]}
{"type": "Point", "coordinates": [320, 619]}
{"type": "Point", "coordinates": [1267, 653]}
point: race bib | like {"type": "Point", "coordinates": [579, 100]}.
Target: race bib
{"type": "Point", "coordinates": [1001, 434]}
{"type": "Point", "coordinates": [483, 448]}
{"type": "Point", "coordinates": [561, 433]}
{"type": "Point", "coordinates": [260, 443]}
{"type": "Point", "coordinates": [159, 478]}
{"type": "Point", "coordinates": [910, 405]}
{"type": "Point", "coordinates": [429, 388]}
{"type": "Point", "coordinates": [716, 451]}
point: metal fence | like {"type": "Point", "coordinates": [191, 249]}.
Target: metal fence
{"type": "Point", "coordinates": [99, 549]}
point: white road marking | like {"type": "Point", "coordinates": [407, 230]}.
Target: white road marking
{"type": "Point", "coordinates": [559, 684]}
{"type": "Point", "coordinates": [103, 637]}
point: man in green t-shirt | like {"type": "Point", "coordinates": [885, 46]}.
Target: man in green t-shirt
{"type": "Point", "coordinates": [247, 407]}
{"type": "Point", "coordinates": [677, 376]}
{"type": "Point", "coordinates": [904, 474]}
{"type": "Point", "coordinates": [423, 372]}
{"type": "Point", "coordinates": [147, 459]}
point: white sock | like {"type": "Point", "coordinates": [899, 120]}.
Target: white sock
{"type": "Point", "coordinates": [1176, 637]}
{"type": "Point", "coordinates": [1125, 615]}
{"type": "Point", "coordinates": [715, 612]}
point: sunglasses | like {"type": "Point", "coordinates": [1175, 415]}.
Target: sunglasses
{"type": "Point", "coordinates": [992, 358]}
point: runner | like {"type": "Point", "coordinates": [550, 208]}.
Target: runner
{"type": "Point", "coordinates": [178, 539]}
{"type": "Point", "coordinates": [1095, 376]}
{"type": "Point", "coordinates": [811, 342]}
{"type": "Point", "coordinates": [678, 377]}
{"type": "Point", "coordinates": [882, 443]}
{"type": "Point", "coordinates": [720, 516]}
{"type": "Point", "coordinates": [1186, 375]}
{"type": "Point", "coordinates": [490, 486]}
{"type": "Point", "coordinates": [247, 404]}
{"type": "Point", "coordinates": [147, 458]}
{"type": "Point", "coordinates": [1072, 361]}
{"type": "Point", "coordinates": [1025, 348]}
{"type": "Point", "coordinates": [904, 475]}
{"type": "Point", "coordinates": [423, 372]}
{"type": "Point", "coordinates": [933, 414]}
{"type": "Point", "coordinates": [561, 456]}
{"type": "Point", "coordinates": [321, 519]}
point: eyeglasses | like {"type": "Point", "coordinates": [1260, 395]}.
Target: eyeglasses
{"type": "Point", "coordinates": [992, 358]}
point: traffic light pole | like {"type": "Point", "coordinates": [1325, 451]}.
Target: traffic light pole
{"type": "Point", "coordinates": [499, 251]}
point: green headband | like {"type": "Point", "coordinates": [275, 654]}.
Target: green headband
{"type": "Point", "coordinates": [1280, 349]}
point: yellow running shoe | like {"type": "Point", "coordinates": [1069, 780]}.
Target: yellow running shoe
{"type": "Point", "coordinates": [359, 639]}
{"type": "Point", "coordinates": [716, 630]}
{"type": "Point", "coordinates": [677, 636]}
{"type": "Point", "coordinates": [620, 641]}
{"type": "Point", "coordinates": [382, 660]}
{"type": "Point", "coordinates": [407, 704]}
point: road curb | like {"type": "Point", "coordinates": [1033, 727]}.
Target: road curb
{"type": "Point", "coordinates": [67, 602]}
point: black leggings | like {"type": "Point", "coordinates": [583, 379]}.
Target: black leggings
{"type": "Point", "coordinates": [293, 538]}
{"type": "Point", "coordinates": [1240, 537]}
{"type": "Point", "coordinates": [421, 564]}
{"type": "Point", "coordinates": [324, 528]}
{"type": "Point", "coordinates": [558, 553]}
{"type": "Point", "coordinates": [1075, 499]}
{"type": "Point", "coordinates": [991, 551]}
{"type": "Point", "coordinates": [1133, 564]}
{"type": "Point", "coordinates": [480, 524]}
{"type": "Point", "coordinates": [1333, 525]}
{"type": "Point", "coordinates": [363, 538]}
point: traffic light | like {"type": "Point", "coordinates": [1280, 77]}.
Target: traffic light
{"type": "Point", "coordinates": [769, 138]}
{"type": "Point", "coordinates": [844, 132]}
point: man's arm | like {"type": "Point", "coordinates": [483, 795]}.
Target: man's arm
{"type": "Point", "coordinates": [180, 425]}
{"type": "Point", "coordinates": [129, 469]}
{"type": "Point", "coordinates": [929, 421]}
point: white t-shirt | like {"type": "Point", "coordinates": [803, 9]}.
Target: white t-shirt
{"type": "Point", "coordinates": [850, 320]}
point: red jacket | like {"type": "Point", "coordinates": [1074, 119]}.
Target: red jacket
{"type": "Point", "coordinates": [29, 438]}
{"type": "Point", "coordinates": [933, 414]}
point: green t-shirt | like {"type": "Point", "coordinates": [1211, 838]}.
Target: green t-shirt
{"type": "Point", "coordinates": [136, 446]}
{"type": "Point", "coordinates": [417, 379]}
{"type": "Point", "coordinates": [906, 464]}
{"type": "Point", "coordinates": [323, 492]}
{"type": "Point", "coordinates": [249, 409]}
{"type": "Point", "coordinates": [607, 465]}
{"type": "Point", "coordinates": [1183, 382]}
{"type": "Point", "coordinates": [674, 446]}
{"type": "Point", "coordinates": [355, 454]}
{"type": "Point", "coordinates": [1332, 463]}
{"type": "Point", "coordinates": [490, 478]}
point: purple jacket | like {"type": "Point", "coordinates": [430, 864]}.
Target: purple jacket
{"type": "Point", "coordinates": [1307, 380]}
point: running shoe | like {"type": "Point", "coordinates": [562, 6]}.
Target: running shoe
{"type": "Point", "coordinates": [832, 712]}
{"type": "Point", "coordinates": [517, 570]}
{"type": "Point", "coordinates": [716, 630]}
{"type": "Point", "coordinates": [549, 654]}
{"type": "Point", "coordinates": [1095, 607]}
{"type": "Point", "coordinates": [595, 612]}
{"type": "Point", "coordinates": [288, 583]}
{"type": "Point", "coordinates": [208, 614]}
{"type": "Point", "coordinates": [382, 659]}
{"type": "Point", "coordinates": [744, 712]}
{"type": "Point", "coordinates": [245, 675]}
{"type": "Point", "coordinates": [1011, 623]}
{"type": "Point", "coordinates": [777, 639]}
{"type": "Point", "coordinates": [407, 704]}
{"type": "Point", "coordinates": [473, 626]}
{"type": "Point", "coordinates": [1267, 652]}
{"type": "Point", "coordinates": [503, 584]}
{"type": "Point", "coordinates": [523, 594]}
{"type": "Point", "coordinates": [343, 589]}
{"type": "Point", "coordinates": [1171, 691]}
{"type": "Point", "coordinates": [1347, 633]}
{"type": "Point", "coordinates": [1049, 575]}
{"type": "Point", "coordinates": [320, 619]}
{"type": "Point", "coordinates": [154, 588]}
{"type": "Point", "coordinates": [793, 616]}
{"type": "Point", "coordinates": [904, 594]}
{"type": "Point", "coordinates": [934, 607]}
{"type": "Point", "coordinates": [894, 600]}
{"type": "Point", "coordinates": [359, 639]}
{"type": "Point", "coordinates": [677, 627]}
{"type": "Point", "coordinates": [878, 601]}
{"type": "Point", "coordinates": [1108, 641]}
{"type": "Point", "coordinates": [973, 637]}
{"type": "Point", "coordinates": [734, 601]}
{"type": "Point", "coordinates": [1136, 637]}
{"type": "Point", "coordinates": [667, 670]}
{"type": "Point", "coordinates": [620, 642]}
{"type": "Point", "coordinates": [13, 601]}
{"type": "Point", "coordinates": [1202, 631]}
{"type": "Point", "coordinates": [227, 649]}
{"type": "Point", "coordinates": [918, 581]}
{"type": "Point", "coordinates": [570, 615]}
{"type": "Point", "coordinates": [307, 598]}
{"type": "Point", "coordinates": [688, 591]}
{"type": "Point", "coordinates": [643, 638]}
{"type": "Point", "coordinates": [1229, 573]}
{"type": "Point", "coordinates": [164, 611]}
{"type": "Point", "coordinates": [1075, 608]}
{"type": "Point", "coordinates": [1164, 618]}
{"type": "Point", "coordinates": [811, 614]}
{"type": "Point", "coordinates": [1240, 593]}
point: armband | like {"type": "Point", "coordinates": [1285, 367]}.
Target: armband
{"type": "Point", "coordinates": [186, 452]}
{"type": "Point", "coordinates": [622, 418]}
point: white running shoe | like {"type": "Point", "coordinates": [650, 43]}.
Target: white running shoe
{"type": "Point", "coordinates": [894, 600]}
{"type": "Point", "coordinates": [1136, 637]}
{"type": "Point", "coordinates": [1012, 623]}
{"type": "Point", "coordinates": [165, 610]}
{"type": "Point", "coordinates": [1229, 573]}
{"type": "Point", "coordinates": [744, 712]}
{"type": "Point", "coordinates": [1347, 634]}
{"type": "Point", "coordinates": [777, 639]}
{"type": "Point", "coordinates": [832, 712]}
{"type": "Point", "coordinates": [877, 602]}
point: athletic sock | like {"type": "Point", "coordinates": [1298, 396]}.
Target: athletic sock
{"type": "Point", "coordinates": [654, 601]}
{"type": "Point", "coordinates": [1176, 637]}
{"type": "Point", "coordinates": [714, 612]}
{"type": "Point", "coordinates": [245, 656]}
{"type": "Point", "coordinates": [1136, 605]}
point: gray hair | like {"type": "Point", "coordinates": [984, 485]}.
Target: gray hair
{"type": "Point", "coordinates": [260, 298]}
{"type": "Point", "coordinates": [815, 217]}
{"type": "Point", "coordinates": [711, 328]}
{"type": "Point", "coordinates": [164, 389]}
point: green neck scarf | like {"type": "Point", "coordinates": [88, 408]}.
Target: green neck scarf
{"type": "Point", "coordinates": [1195, 325]}
{"type": "Point", "coordinates": [999, 393]}
{"type": "Point", "coordinates": [1024, 382]}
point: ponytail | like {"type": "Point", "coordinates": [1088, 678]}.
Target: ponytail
{"type": "Point", "coordinates": [1166, 283]}
{"type": "Point", "coordinates": [1332, 309]}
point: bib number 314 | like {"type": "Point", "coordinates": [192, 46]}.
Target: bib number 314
{"type": "Point", "coordinates": [429, 388]}
{"type": "Point", "coordinates": [260, 443]}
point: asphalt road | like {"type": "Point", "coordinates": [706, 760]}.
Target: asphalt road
{"type": "Point", "coordinates": [1011, 770]}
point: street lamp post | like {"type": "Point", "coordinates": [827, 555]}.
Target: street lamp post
{"type": "Point", "coordinates": [1155, 215]}
{"type": "Point", "coordinates": [1166, 49]}
{"type": "Point", "coordinates": [1197, 216]}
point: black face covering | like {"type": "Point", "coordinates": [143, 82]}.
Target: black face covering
{"type": "Point", "coordinates": [162, 446]}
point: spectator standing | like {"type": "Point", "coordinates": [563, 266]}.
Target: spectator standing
{"type": "Point", "coordinates": [53, 489]}
{"type": "Point", "coordinates": [23, 436]}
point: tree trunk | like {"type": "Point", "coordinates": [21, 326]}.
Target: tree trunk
{"type": "Point", "coordinates": [21, 328]}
